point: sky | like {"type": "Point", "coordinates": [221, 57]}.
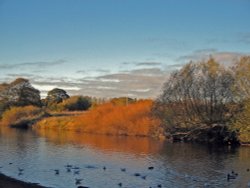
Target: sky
{"type": "Point", "coordinates": [116, 48]}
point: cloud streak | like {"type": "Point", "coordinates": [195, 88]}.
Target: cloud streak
{"type": "Point", "coordinates": [38, 64]}
{"type": "Point", "coordinates": [145, 63]}
{"type": "Point", "coordinates": [226, 58]}
{"type": "Point", "coordinates": [148, 64]}
{"type": "Point", "coordinates": [138, 83]}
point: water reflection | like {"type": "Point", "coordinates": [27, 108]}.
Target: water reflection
{"type": "Point", "coordinates": [134, 145]}
{"type": "Point", "coordinates": [175, 165]}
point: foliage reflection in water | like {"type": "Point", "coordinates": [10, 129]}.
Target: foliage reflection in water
{"type": "Point", "coordinates": [107, 161]}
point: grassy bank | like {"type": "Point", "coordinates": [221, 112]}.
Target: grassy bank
{"type": "Point", "coordinates": [109, 119]}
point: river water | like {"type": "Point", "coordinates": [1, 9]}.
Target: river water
{"type": "Point", "coordinates": [107, 161]}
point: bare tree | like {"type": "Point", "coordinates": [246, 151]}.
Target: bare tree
{"type": "Point", "coordinates": [198, 93]}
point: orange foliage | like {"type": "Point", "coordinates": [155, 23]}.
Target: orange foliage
{"type": "Point", "coordinates": [133, 119]}
{"type": "Point", "coordinates": [17, 114]}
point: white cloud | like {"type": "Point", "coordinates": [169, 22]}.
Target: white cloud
{"type": "Point", "coordinates": [109, 80]}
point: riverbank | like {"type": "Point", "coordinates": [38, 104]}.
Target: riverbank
{"type": "Point", "coordinates": [8, 182]}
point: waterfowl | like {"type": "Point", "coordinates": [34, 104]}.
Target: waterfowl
{"type": "Point", "coordinates": [234, 173]}
{"type": "Point", "coordinates": [76, 172]}
{"type": "Point", "coordinates": [248, 170]}
{"type": "Point", "coordinates": [137, 174]}
{"type": "Point", "coordinates": [151, 168]}
{"type": "Point", "coordinates": [231, 176]}
{"type": "Point", "coordinates": [68, 169]}
{"type": "Point", "coordinates": [75, 168]}
{"type": "Point", "coordinates": [123, 169]}
{"type": "Point", "coordinates": [20, 169]}
{"type": "Point", "coordinates": [68, 166]}
{"type": "Point", "coordinates": [56, 172]}
{"type": "Point", "coordinates": [104, 168]}
{"type": "Point", "coordinates": [78, 181]}
{"type": "Point", "coordinates": [159, 185]}
{"type": "Point", "coordinates": [120, 184]}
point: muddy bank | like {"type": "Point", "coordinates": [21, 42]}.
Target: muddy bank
{"type": "Point", "coordinates": [7, 182]}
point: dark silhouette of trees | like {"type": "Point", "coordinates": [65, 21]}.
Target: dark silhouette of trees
{"type": "Point", "coordinates": [77, 103]}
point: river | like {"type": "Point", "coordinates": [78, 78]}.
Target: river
{"type": "Point", "coordinates": [108, 161]}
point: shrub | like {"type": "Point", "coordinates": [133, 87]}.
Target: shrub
{"type": "Point", "coordinates": [122, 101]}
{"type": "Point", "coordinates": [242, 123]}
{"type": "Point", "coordinates": [15, 115]}
{"type": "Point", "coordinates": [132, 119]}
{"type": "Point", "coordinates": [76, 103]}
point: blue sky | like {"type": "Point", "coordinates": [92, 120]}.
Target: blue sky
{"type": "Point", "coordinates": [116, 47]}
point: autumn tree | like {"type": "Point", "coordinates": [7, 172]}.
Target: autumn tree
{"type": "Point", "coordinates": [18, 93]}
{"type": "Point", "coordinates": [242, 76]}
{"type": "Point", "coordinates": [242, 123]}
{"type": "Point", "coordinates": [242, 91]}
{"type": "Point", "coordinates": [54, 97]}
{"type": "Point", "coordinates": [198, 93]}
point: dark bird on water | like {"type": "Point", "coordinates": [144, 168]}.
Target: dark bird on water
{"type": "Point", "coordinates": [137, 174]}
{"type": "Point", "coordinates": [76, 172]}
{"type": "Point", "coordinates": [68, 169]}
{"type": "Point", "coordinates": [231, 176]}
{"type": "Point", "coordinates": [123, 169]}
{"type": "Point", "coordinates": [68, 166]}
{"type": "Point", "coordinates": [56, 172]}
{"type": "Point", "coordinates": [120, 184]}
{"type": "Point", "coordinates": [104, 168]}
{"type": "Point", "coordinates": [151, 168]}
{"type": "Point", "coordinates": [20, 169]}
{"type": "Point", "coordinates": [78, 181]}
{"type": "Point", "coordinates": [234, 173]}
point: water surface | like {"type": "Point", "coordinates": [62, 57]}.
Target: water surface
{"type": "Point", "coordinates": [175, 165]}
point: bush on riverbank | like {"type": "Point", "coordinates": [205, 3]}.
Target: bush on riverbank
{"type": "Point", "coordinates": [242, 123]}
{"type": "Point", "coordinates": [132, 119]}
{"type": "Point", "coordinates": [21, 116]}
{"type": "Point", "coordinates": [75, 103]}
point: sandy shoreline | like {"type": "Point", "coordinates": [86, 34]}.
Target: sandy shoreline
{"type": "Point", "coordinates": [8, 182]}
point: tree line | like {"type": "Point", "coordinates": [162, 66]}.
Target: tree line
{"type": "Point", "coordinates": [205, 93]}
